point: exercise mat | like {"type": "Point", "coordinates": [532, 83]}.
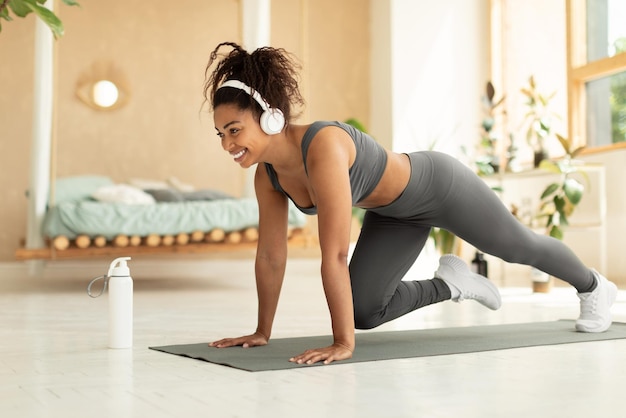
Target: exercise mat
{"type": "Point", "coordinates": [372, 346]}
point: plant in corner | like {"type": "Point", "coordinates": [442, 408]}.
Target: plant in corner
{"type": "Point", "coordinates": [22, 8]}
{"type": "Point", "coordinates": [559, 199]}
{"type": "Point", "coordinates": [538, 119]}
{"type": "Point", "coordinates": [489, 162]}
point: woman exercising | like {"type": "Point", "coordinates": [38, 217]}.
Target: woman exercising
{"type": "Point", "coordinates": [326, 168]}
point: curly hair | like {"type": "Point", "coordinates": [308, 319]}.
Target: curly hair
{"type": "Point", "coordinates": [270, 71]}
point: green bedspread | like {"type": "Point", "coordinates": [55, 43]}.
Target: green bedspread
{"type": "Point", "coordinates": [170, 218]}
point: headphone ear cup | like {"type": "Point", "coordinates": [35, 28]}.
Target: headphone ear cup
{"type": "Point", "coordinates": [272, 121]}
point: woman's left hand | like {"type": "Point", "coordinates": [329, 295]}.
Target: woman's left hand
{"type": "Point", "coordinates": [327, 354]}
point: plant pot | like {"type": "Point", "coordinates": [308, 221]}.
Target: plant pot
{"type": "Point", "coordinates": [542, 287]}
{"type": "Point", "coordinates": [539, 156]}
{"type": "Point", "coordinates": [542, 282]}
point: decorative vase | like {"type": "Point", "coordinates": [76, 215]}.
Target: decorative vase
{"type": "Point", "coordinates": [539, 155]}
{"type": "Point", "coordinates": [542, 287]}
{"type": "Point", "coordinates": [542, 282]}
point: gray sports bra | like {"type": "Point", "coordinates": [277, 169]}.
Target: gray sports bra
{"type": "Point", "coordinates": [365, 173]}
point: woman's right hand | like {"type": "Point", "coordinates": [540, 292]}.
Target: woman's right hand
{"type": "Point", "coordinates": [253, 340]}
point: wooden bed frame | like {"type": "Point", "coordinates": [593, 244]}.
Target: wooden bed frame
{"type": "Point", "coordinates": [62, 248]}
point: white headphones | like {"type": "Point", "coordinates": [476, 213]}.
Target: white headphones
{"type": "Point", "coordinates": [272, 120]}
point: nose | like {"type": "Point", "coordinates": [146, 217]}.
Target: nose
{"type": "Point", "coordinates": [226, 144]}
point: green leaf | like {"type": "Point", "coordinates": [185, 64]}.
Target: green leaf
{"type": "Point", "coordinates": [21, 7]}
{"type": "Point", "coordinates": [488, 123]}
{"type": "Point", "coordinates": [549, 190]}
{"type": "Point", "coordinates": [549, 220]}
{"type": "Point", "coordinates": [560, 208]}
{"type": "Point", "coordinates": [358, 214]}
{"type": "Point", "coordinates": [550, 166]}
{"type": "Point", "coordinates": [484, 168]}
{"type": "Point", "coordinates": [563, 217]}
{"type": "Point", "coordinates": [565, 143]}
{"type": "Point", "coordinates": [355, 123]}
{"type": "Point", "coordinates": [48, 18]}
{"type": "Point", "coordinates": [573, 190]}
{"type": "Point", "coordinates": [556, 232]}
{"type": "Point", "coordinates": [4, 13]}
{"type": "Point", "coordinates": [71, 2]}
{"type": "Point", "coordinates": [559, 203]}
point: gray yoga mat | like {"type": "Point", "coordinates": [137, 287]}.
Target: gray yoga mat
{"type": "Point", "coordinates": [371, 346]}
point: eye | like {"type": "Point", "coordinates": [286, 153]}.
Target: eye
{"type": "Point", "coordinates": [221, 135]}
{"type": "Point", "coordinates": [233, 131]}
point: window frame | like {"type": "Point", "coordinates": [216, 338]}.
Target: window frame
{"type": "Point", "coordinates": [579, 72]}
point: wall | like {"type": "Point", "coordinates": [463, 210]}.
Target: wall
{"type": "Point", "coordinates": [162, 48]}
{"type": "Point", "coordinates": [534, 44]}
{"type": "Point", "coordinates": [436, 72]}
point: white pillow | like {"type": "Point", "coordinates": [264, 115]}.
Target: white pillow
{"type": "Point", "coordinates": [123, 193]}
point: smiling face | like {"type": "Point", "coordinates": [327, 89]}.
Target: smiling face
{"type": "Point", "coordinates": [240, 133]}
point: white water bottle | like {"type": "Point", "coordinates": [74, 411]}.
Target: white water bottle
{"type": "Point", "coordinates": [120, 304]}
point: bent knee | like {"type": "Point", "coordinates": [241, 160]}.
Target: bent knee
{"type": "Point", "coordinates": [367, 319]}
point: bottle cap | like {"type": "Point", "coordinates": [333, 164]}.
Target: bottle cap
{"type": "Point", "coordinates": [119, 268]}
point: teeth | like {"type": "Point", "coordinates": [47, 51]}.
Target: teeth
{"type": "Point", "coordinates": [239, 154]}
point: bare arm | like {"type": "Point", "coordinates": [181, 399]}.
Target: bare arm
{"type": "Point", "coordinates": [328, 167]}
{"type": "Point", "coordinates": [271, 258]}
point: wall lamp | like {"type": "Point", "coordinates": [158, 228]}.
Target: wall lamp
{"type": "Point", "coordinates": [103, 87]}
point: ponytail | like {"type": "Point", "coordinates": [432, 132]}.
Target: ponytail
{"type": "Point", "coordinates": [272, 72]}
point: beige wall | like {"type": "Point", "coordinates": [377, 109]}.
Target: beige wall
{"type": "Point", "coordinates": [162, 48]}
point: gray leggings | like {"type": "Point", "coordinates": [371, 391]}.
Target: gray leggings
{"type": "Point", "coordinates": [444, 193]}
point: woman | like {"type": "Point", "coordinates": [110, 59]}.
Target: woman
{"type": "Point", "coordinates": [326, 168]}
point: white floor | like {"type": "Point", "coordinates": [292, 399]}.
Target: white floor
{"type": "Point", "coordinates": [54, 361]}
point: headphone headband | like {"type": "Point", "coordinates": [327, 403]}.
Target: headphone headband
{"type": "Point", "coordinates": [243, 86]}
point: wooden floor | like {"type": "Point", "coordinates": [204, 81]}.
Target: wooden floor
{"type": "Point", "coordinates": [54, 361]}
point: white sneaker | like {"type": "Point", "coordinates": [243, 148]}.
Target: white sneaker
{"type": "Point", "coordinates": [457, 274]}
{"type": "Point", "coordinates": [595, 307]}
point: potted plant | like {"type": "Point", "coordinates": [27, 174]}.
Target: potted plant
{"type": "Point", "coordinates": [560, 198]}
{"type": "Point", "coordinates": [489, 162]}
{"type": "Point", "coordinates": [444, 240]}
{"type": "Point", "coordinates": [538, 120]}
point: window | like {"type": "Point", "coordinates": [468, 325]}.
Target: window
{"type": "Point", "coordinates": [596, 37]}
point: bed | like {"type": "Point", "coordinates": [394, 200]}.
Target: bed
{"type": "Point", "coordinates": [92, 215]}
